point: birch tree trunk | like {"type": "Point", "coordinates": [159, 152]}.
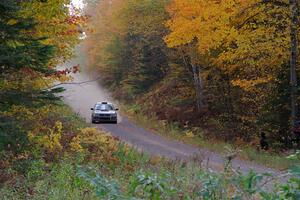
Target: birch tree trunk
{"type": "Point", "coordinates": [293, 60]}
{"type": "Point", "coordinates": [198, 87]}
{"type": "Point", "coordinates": [196, 71]}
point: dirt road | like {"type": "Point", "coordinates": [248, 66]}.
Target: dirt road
{"type": "Point", "coordinates": [81, 97]}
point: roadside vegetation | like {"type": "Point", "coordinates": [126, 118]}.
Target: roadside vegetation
{"type": "Point", "coordinates": [195, 137]}
{"type": "Point", "coordinates": [48, 152]}
{"type": "Point", "coordinates": [74, 161]}
{"type": "Point", "coordinates": [226, 68]}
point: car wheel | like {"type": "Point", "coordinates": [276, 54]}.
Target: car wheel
{"type": "Point", "coordinates": [115, 122]}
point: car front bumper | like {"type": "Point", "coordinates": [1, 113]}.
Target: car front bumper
{"type": "Point", "coordinates": [104, 118]}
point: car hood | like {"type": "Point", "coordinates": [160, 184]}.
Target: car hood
{"type": "Point", "coordinates": [105, 112]}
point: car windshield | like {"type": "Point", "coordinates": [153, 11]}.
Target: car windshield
{"type": "Point", "coordinates": [104, 107]}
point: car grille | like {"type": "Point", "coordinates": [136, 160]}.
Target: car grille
{"type": "Point", "coordinates": [103, 115]}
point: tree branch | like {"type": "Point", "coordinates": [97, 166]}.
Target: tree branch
{"type": "Point", "coordinates": [276, 3]}
{"type": "Point", "coordinates": [72, 83]}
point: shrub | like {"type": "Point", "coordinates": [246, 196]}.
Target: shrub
{"type": "Point", "coordinates": [103, 188]}
{"type": "Point", "coordinates": [96, 144]}
{"type": "Point", "coordinates": [150, 185]}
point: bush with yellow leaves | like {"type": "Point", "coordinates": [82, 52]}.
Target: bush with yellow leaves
{"type": "Point", "coordinates": [97, 144]}
{"type": "Point", "coordinates": [49, 135]}
{"type": "Point", "coordinates": [48, 141]}
{"type": "Point", "coordinates": [45, 131]}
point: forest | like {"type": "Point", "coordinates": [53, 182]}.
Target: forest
{"type": "Point", "coordinates": [229, 67]}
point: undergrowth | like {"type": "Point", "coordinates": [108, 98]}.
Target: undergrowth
{"type": "Point", "coordinates": [94, 165]}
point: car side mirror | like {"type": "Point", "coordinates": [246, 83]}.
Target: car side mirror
{"type": "Point", "coordinates": [92, 108]}
{"type": "Point", "coordinates": [117, 109]}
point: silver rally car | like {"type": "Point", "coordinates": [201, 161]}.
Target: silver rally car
{"type": "Point", "coordinates": [104, 112]}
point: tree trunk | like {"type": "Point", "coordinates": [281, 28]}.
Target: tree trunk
{"type": "Point", "coordinates": [198, 83]}
{"type": "Point", "coordinates": [198, 87]}
{"type": "Point", "coordinates": [293, 60]}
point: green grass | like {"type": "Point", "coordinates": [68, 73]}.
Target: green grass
{"type": "Point", "coordinates": [164, 180]}
{"type": "Point", "coordinates": [272, 160]}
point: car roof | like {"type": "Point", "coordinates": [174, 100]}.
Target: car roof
{"type": "Point", "coordinates": [104, 102]}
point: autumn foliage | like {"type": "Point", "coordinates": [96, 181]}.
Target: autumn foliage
{"type": "Point", "coordinates": [220, 65]}
{"type": "Point", "coordinates": [35, 37]}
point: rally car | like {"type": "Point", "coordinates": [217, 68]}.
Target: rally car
{"type": "Point", "coordinates": [104, 112]}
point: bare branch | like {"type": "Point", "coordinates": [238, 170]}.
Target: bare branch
{"type": "Point", "coordinates": [73, 83]}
